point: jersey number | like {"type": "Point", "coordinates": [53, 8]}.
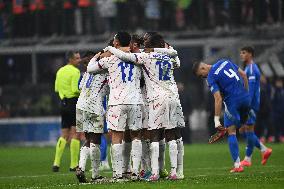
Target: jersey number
{"type": "Point", "coordinates": [164, 70]}
{"type": "Point", "coordinates": [232, 74]}
{"type": "Point", "coordinates": [89, 81]}
{"type": "Point", "coordinates": [123, 66]}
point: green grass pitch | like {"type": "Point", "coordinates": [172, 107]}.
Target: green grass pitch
{"type": "Point", "coordinates": [206, 166]}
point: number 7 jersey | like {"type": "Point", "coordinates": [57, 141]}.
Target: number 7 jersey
{"type": "Point", "coordinates": [124, 81]}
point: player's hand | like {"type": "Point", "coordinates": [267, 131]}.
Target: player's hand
{"type": "Point", "coordinates": [221, 132]}
{"type": "Point", "coordinates": [97, 55]}
{"type": "Point", "coordinates": [148, 50]}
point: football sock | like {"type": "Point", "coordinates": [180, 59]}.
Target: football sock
{"type": "Point", "coordinates": [84, 154]}
{"type": "Point", "coordinates": [173, 155]}
{"type": "Point", "coordinates": [95, 154]}
{"type": "Point", "coordinates": [117, 159]}
{"type": "Point", "coordinates": [155, 157]}
{"type": "Point", "coordinates": [126, 152]}
{"type": "Point", "coordinates": [74, 152]}
{"type": "Point", "coordinates": [263, 148]}
{"type": "Point", "coordinates": [180, 155]}
{"type": "Point", "coordinates": [250, 143]}
{"type": "Point", "coordinates": [162, 149]}
{"type": "Point", "coordinates": [146, 160]}
{"type": "Point", "coordinates": [60, 146]}
{"type": "Point", "coordinates": [136, 155]}
{"type": "Point", "coordinates": [234, 149]}
{"type": "Point", "coordinates": [103, 147]}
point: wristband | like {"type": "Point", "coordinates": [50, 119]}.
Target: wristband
{"type": "Point", "coordinates": [217, 121]}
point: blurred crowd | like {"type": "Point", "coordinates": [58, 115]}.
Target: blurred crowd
{"type": "Point", "coordinates": [25, 18]}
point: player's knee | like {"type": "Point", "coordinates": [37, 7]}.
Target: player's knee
{"type": "Point", "coordinates": [117, 137]}
{"type": "Point", "coordinates": [170, 135]}
{"type": "Point", "coordinates": [231, 130]}
{"type": "Point", "coordinates": [135, 135]}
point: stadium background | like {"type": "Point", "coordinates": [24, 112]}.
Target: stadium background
{"type": "Point", "coordinates": [35, 35]}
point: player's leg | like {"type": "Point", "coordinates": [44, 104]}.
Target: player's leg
{"type": "Point", "coordinates": [234, 148]}
{"type": "Point", "coordinates": [60, 146]}
{"type": "Point", "coordinates": [95, 155]}
{"type": "Point", "coordinates": [252, 140]}
{"type": "Point", "coordinates": [173, 152]}
{"type": "Point", "coordinates": [104, 154]}
{"type": "Point", "coordinates": [162, 153]}
{"type": "Point", "coordinates": [158, 120]}
{"type": "Point", "coordinates": [126, 153]}
{"type": "Point", "coordinates": [155, 138]}
{"type": "Point", "coordinates": [180, 148]}
{"type": "Point", "coordinates": [134, 121]}
{"type": "Point", "coordinates": [116, 120]}
{"type": "Point", "coordinates": [74, 148]}
{"type": "Point", "coordinates": [145, 159]}
{"type": "Point", "coordinates": [84, 155]}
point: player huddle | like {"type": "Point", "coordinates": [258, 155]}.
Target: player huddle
{"type": "Point", "coordinates": [143, 110]}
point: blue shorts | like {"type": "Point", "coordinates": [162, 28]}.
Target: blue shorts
{"type": "Point", "coordinates": [237, 112]}
{"type": "Point", "coordinates": [252, 117]}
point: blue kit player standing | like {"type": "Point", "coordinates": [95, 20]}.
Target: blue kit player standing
{"type": "Point", "coordinates": [228, 83]}
{"type": "Point", "coordinates": [253, 75]}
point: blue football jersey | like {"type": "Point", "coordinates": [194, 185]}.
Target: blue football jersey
{"type": "Point", "coordinates": [224, 77]}
{"type": "Point", "coordinates": [253, 75]}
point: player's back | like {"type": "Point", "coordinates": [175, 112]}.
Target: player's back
{"type": "Point", "coordinates": [226, 76]}
{"type": "Point", "coordinates": [158, 73]}
{"type": "Point", "coordinates": [93, 90]}
{"type": "Point", "coordinates": [124, 82]}
{"type": "Point", "coordinates": [253, 74]}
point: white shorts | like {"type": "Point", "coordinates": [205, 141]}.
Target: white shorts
{"type": "Point", "coordinates": [158, 114]}
{"type": "Point", "coordinates": [124, 117]}
{"type": "Point", "coordinates": [145, 116]}
{"type": "Point", "coordinates": [89, 122]}
{"type": "Point", "coordinates": [176, 118]}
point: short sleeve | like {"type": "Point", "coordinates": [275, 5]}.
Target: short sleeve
{"type": "Point", "coordinates": [211, 82]}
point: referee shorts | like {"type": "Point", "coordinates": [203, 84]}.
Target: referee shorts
{"type": "Point", "coordinates": [68, 112]}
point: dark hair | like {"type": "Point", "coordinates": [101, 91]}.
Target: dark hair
{"type": "Point", "coordinates": [137, 39]}
{"type": "Point", "coordinates": [70, 54]}
{"type": "Point", "coordinates": [124, 38]}
{"type": "Point", "coordinates": [155, 41]}
{"type": "Point", "coordinates": [149, 34]}
{"type": "Point", "coordinates": [110, 43]}
{"type": "Point", "coordinates": [89, 53]}
{"type": "Point", "coordinates": [249, 49]}
{"type": "Point", "coordinates": [195, 67]}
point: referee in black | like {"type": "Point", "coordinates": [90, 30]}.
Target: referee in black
{"type": "Point", "coordinates": [66, 85]}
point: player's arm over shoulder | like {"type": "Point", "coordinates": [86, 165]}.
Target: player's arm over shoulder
{"type": "Point", "coordinates": [128, 57]}
{"type": "Point", "coordinates": [97, 65]}
{"type": "Point", "coordinates": [244, 76]}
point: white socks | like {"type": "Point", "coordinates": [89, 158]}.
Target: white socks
{"type": "Point", "coordinates": [248, 158]}
{"type": "Point", "coordinates": [237, 163]}
{"type": "Point", "coordinates": [84, 154]}
{"type": "Point", "coordinates": [136, 155]}
{"type": "Point", "coordinates": [117, 159]}
{"type": "Point", "coordinates": [95, 154]}
{"type": "Point", "coordinates": [262, 147]}
{"type": "Point", "coordinates": [126, 152]}
{"type": "Point", "coordinates": [155, 157]}
{"type": "Point", "coordinates": [180, 155]}
{"type": "Point", "coordinates": [162, 149]}
{"type": "Point", "coordinates": [173, 155]}
{"type": "Point", "coordinates": [146, 159]}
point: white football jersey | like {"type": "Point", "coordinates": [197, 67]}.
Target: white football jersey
{"type": "Point", "coordinates": [124, 80]}
{"type": "Point", "coordinates": [94, 87]}
{"type": "Point", "coordinates": [157, 70]}
{"type": "Point", "coordinates": [158, 74]}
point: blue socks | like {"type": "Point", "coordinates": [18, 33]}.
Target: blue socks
{"type": "Point", "coordinates": [234, 147]}
{"type": "Point", "coordinates": [250, 143]}
{"type": "Point", "coordinates": [103, 148]}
